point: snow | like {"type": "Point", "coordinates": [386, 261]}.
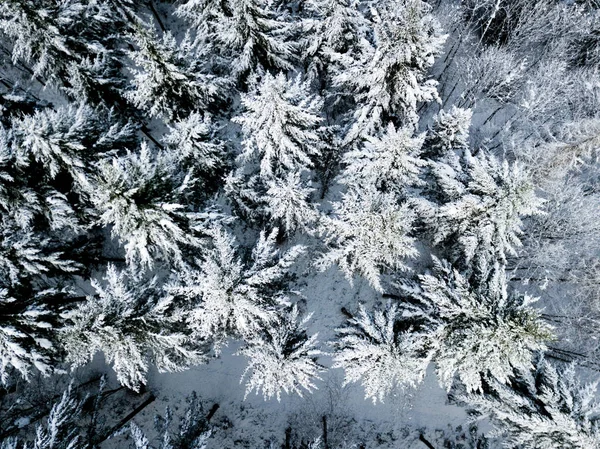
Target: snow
{"type": "Point", "coordinates": [226, 115]}
{"type": "Point", "coordinates": [254, 422]}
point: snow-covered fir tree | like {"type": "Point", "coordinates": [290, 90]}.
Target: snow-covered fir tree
{"type": "Point", "coordinates": [280, 125]}
{"type": "Point", "coordinates": [51, 41]}
{"type": "Point", "coordinates": [390, 80]}
{"type": "Point", "coordinates": [142, 196]}
{"type": "Point", "coordinates": [76, 420]}
{"type": "Point", "coordinates": [445, 144]}
{"type": "Point", "coordinates": [195, 144]}
{"type": "Point", "coordinates": [65, 138]}
{"type": "Point", "coordinates": [543, 407]}
{"type": "Point", "coordinates": [36, 38]}
{"type": "Point", "coordinates": [25, 254]}
{"type": "Point", "coordinates": [282, 358]}
{"type": "Point", "coordinates": [471, 334]}
{"type": "Point", "coordinates": [480, 218]}
{"type": "Point", "coordinates": [449, 132]}
{"type": "Point", "coordinates": [60, 431]}
{"type": "Point", "coordinates": [246, 194]}
{"type": "Point", "coordinates": [253, 36]}
{"type": "Point", "coordinates": [192, 432]}
{"type": "Point", "coordinates": [288, 202]}
{"type": "Point", "coordinates": [170, 83]}
{"type": "Point", "coordinates": [27, 331]}
{"type": "Point", "coordinates": [232, 297]}
{"type": "Point", "coordinates": [391, 163]}
{"type": "Point", "coordinates": [46, 158]}
{"type": "Point", "coordinates": [133, 324]}
{"type": "Point", "coordinates": [337, 36]}
{"type": "Point", "coordinates": [477, 331]}
{"type": "Point", "coordinates": [204, 15]}
{"type": "Point", "coordinates": [368, 234]}
{"type": "Point", "coordinates": [249, 110]}
{"type": "Point", "coordinates": [373, 350]}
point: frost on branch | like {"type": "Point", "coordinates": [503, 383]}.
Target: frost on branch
{"type": "Point", "coordinates": [375, 350]}
{"type": "Point", "coordinates": [231, 297]}
{"type": "Point", "coordinates": [282, 358]}
{"type": "Point", "coordinates": [367, 234]}
{"type": "Point", "coordinates": [134, 325]}
{"type": "Point", "coordinates": [496, 74]}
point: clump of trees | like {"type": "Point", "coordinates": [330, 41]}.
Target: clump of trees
{"type": "Point", "coordinates": [170, 186]}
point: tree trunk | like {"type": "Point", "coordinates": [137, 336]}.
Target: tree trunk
{"type": "Point", "coordinates": [212, 412]}
{"type": "Point", "coordinates": [425, 442]}
{"type": "Point", "coordinates": [149, 400]}
{"type": "Point", "coordinates": [325, 442]}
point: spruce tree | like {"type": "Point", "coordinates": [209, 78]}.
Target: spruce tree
{"type": "Point", "coordinates": [372, 349]}
{"type": "Point", "coordinates": [54, 38]}
{"type": "Point", "coordinates": [479, 332]}
{"type": "Point", "coordinates": [204, 16]}
{"type": "Point", "coordinates": [253, 36]}
{"type": "Point", "coordinates": [541, 407]}
{"type": "Point", "coordinates": [169, 82]}
{"type": "Point", "coordinates": [28, 327]}
{"type": "Point", "coordinates": [288, 204]}
{"type": "Point", "coordinates": [480, 218]}
{"type": "Point", "coordinates": [61, 429]}
{"type": "Point", "coordinates": [390, 163]}
{"type": "Point", "coordinates": [282, 358]}
{"type": "Point", "coordinates": [133, 324]}
{"type": "Point", "coordinates": [38, 32]}
{"type": "Point", "coordinates": [390, 82]}
{"type": "Point", "coordinates": [142, 197]}
{"type": "Point", "coordinates": [67, 139]}
{"type": "Point", "coordinates": [26, 254]}
{"type": "Point", "coordinates": [337, 36]}
{"type": "Point", "coordinates": [196, 144]}
{"type": "Point", "coordinates": [192, 432]}
{"type": "Point", "coordinates": [367, 234]}
{"type": "Point", "coordinates": [449, 132]}
{"type": "Point", "coordinates": [472, 334]}
{"type": "Point", "coordinates": [280, 126]}
{"type": "Point", "coordinates": [231, 297]}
